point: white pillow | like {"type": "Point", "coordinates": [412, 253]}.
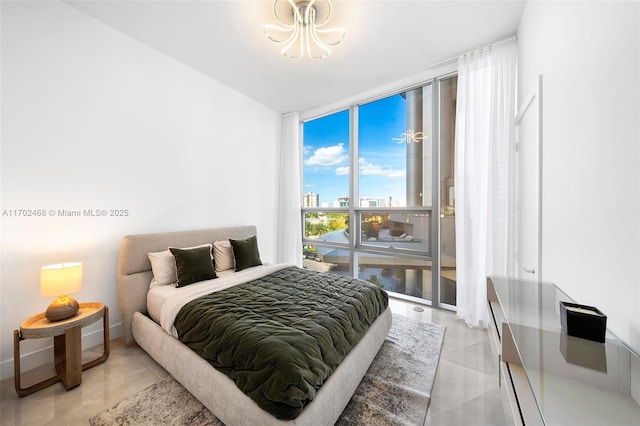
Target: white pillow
{"type": "Point", "coordinates": [222, 255]}
{"type": "Point", "coordinates": [163, 265]}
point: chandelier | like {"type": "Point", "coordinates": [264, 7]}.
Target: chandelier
{"type": "Point", "coordinates": [303, 33]}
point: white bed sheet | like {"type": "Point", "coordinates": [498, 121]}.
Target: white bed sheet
{"type": "Point", "coordinates": [164, 302]}
{"type": "Point", "coordinates": [157, 295]}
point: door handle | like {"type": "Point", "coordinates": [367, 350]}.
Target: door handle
{"type": "Point", "coordinates": [529, 270]}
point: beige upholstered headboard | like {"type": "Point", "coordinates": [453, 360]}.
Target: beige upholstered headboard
{"type": "Point", "coordinates": [134, 267]}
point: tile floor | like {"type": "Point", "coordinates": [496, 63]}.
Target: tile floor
{"type": "Point", "coordinates": [465, 391]}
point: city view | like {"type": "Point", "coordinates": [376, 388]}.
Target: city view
{"type": "Point", "coordinates": [382, 158]}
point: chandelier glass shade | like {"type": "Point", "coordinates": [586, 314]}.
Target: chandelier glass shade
{"type": "Point", "coordinates": [301, 29]}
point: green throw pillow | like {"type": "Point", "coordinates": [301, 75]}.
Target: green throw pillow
{"type": "Point", "coordinates": [193, 265]}
{"type": "Point", "coordinates": [245, 253]}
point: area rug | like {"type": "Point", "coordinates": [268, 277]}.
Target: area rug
{"type": "Point", "coordinates": [395, 390]}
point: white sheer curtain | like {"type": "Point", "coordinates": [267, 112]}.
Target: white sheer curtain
{"type": "Point", "coordinates": [484, 160]}
{"type": "Point", "coordinates": [289, 223]}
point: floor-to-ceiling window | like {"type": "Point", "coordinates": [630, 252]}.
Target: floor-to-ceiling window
{"type": "Point", "coordinates": [370, 206]}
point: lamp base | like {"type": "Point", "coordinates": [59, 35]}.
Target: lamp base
{"type": "Point", "coordinates": [62, 308]}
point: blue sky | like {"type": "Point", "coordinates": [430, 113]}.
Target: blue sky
{"type": "Point", "coordinates": [382, 160]}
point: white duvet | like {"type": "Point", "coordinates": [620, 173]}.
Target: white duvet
{"type": "Point", "coordinates": [164, 302]}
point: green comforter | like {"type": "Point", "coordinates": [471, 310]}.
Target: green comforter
{"type": "Point", "coordinates": [279, 337]}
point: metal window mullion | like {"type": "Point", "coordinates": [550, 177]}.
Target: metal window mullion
{"type": "Point", "coordinates": [325, 210]}
{"type": "Point", "coordinates": [354, 221]}
{"type": "Point", "coordinates": [409, 210]}
{"type": "Point", "coordinates": [405, 253]}
{"type": "Point", "coordinates": [301, 177]}
{"type": "Point", "coordinates": [323, 243]}
{"type": "Point", "coordinates": [436, 201]}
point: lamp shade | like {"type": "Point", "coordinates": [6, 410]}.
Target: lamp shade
{"type": "Point", "coordinates": [60, 279]}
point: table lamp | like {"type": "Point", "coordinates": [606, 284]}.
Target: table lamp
{"type": "Point", "coordinates": [59, 281]}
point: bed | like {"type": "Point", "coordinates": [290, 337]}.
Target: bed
{"type": "Point", "coordinates": [214, 389]}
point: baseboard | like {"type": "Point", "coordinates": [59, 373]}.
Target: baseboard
{"type": "Point", "coordinates": [44, 356]}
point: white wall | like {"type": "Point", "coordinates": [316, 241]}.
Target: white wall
{"type": "Point", "coordinates": [589, 55]}
{"type": "Point", "coordinates": [92, 119]}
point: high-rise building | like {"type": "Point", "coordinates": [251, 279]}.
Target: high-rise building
{"type": "Point", "coordinates": [375, 202]}
{"type": "Point", "coordinates": [311, 200]}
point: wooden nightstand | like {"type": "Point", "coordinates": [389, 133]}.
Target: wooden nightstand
{"type": "Point", "coordinates": [67, 345]}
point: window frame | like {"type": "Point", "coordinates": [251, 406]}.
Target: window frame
{"type": "Point", "coordinates": [354, 244]}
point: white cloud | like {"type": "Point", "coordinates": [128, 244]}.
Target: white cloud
{"type": "Point", "coordinates": [368, 169]}
{"type": "Point", "coordinates": [342, 171]}
{"type": "Point", "coordinates": [328, 156]}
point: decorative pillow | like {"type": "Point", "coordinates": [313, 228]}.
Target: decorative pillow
{"type": "Point", "coordinates": [245, 253]}
{"type": "Point", "coordinates": [193, 265]}
{"type": "Point", "coordinates": [222, 255]}
{"type": "Point", "coordinates": [163, 266]}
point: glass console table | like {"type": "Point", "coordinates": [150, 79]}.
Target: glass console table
{"type": "Point", "coordinates": [548, 377]}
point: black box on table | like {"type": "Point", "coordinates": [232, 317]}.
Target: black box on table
{"type": "Point", "coordinates": [583, 321]}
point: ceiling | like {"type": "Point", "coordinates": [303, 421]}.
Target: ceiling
{"type": "Point", "coordinates": [387, 41]}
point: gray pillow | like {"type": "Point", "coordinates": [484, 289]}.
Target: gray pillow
{"type": "Point", "coordinates": [245, 253]}
{"type": "Point", "coordinates": [193, 265]}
